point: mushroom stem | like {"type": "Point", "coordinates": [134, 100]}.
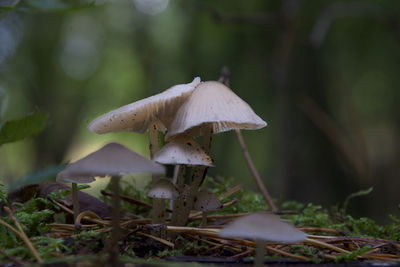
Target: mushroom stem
{"type": "Point", "coordinates": [177, 211]}
{"type": "Point", "coordinates": [197, 177]}
{"type": "Point", "coordinates": [75, 203]}
{"type": "Point", "coordinates": [203, 219]}
{"type": "Point", "coordinates": [116, 230]}
{"type": "Point", "coordinates": [158, 213]}
{"type": "Point", "coordinates": [175, 182]}
{"type": "Point", "coordinates": [260, 252]}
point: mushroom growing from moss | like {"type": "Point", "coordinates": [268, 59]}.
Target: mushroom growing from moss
{"type": "Point", "coordinates": [182, 150]}
{"type": "Point", "coordinates": [149, 114]}
{"type": "Point", "coordinates": [263, 227]}
{"type": "Point", "coordinates": [163, 189]}
{"type": "Point", "coordinates": [206, 201]}
{"type": "Point", "coordinates": [111, 160]}
{"type": "Point", "coordinates": [211, 108]}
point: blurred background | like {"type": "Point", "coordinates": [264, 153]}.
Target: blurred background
{"type": "Point", "coordinates": [323, 74]}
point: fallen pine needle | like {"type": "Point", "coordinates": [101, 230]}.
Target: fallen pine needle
{"type": "Point", "coordinates": [161, 240]}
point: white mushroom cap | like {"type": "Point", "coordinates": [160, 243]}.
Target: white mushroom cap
{"type": "Point", "coordinates": [113, 159]}
{"type": "Point", "coordinates": [138, 115]}
{"type": "Point", "coordinates": [263, 226]}
{"type": "Point", "coordinates": [206, 201]}
{"type": "Point", "coordinates": [214, 103]}
{"type": "Point", "coordinates": [182, 149]}
{"type": "Point", "coordinates": [163, 188]}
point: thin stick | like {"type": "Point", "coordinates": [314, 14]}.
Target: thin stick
{"type": "Point", "coordinates": [161, 240]}
{"type": "Point", "coordinates": [227, 204]}
{"type": "Point", "coordinates": [231, 191]}
{"type": "Point", "coordinates": [23, 236]}
{"type": "Point", "coordinates": [325, 245]}
{"type": "Point", "coordinates": [254, 171]}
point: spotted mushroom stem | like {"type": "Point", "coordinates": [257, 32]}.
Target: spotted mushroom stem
{"type": "Point", "coordinates": [203, 219]}
{"type": "Point", "coordinates": [158, 212]}
{"type": "Point", "coordinates": [199, 174]}
{"type": "Point", "coordinates": [260, 253]}
{"type": "Point", "coordinates": [115, 222]}
{"type": "Point", "coordinates": [75, 203]}
{"type": "Point", "coordinates": [177, 211]}
{"type": "Point", "coordinates": [175, 182]}
{"type": "Point", "coordinates": [197, 178]}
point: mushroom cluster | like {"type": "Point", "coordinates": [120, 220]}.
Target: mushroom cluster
{"type": "Point", "coordinates": [183, 113]}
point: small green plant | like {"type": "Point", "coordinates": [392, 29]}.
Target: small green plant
{"type": "Point", "coordinates": [353, 255]}
{"type": "Point", "coordinates": [3, 194]}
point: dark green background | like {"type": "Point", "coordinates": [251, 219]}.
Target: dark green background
{"type": "Point", "coordinates": [339, 60]}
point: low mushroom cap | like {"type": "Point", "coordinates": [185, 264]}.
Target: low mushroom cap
{"type": "Point", "coordinates": [113, 159]}
{"type": "Point", "coordinates": [163, 188]}
{"type": "Point", "coordinates": [138, 115]}
{"type": "Point", "coordinates": [263, 226]}
{"type": "Point", "coordinates": [182, 149]}
{"type": "Point", "coordinates": [206, 201]}
{"type": "Point", "coordinates": [214, 103]}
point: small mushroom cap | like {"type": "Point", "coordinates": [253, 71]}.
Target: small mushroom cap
{"type": "Point", "coordinates": [138, 115]}
{"type": "Point", "coordinates": [212, 103]}
{"type": "Point", "coordinates": [182, 149]}
{"type": "Point", "coordinates": [263, 226]}
{"type": "Point", "coordinates": [113, 159]}
{"type": "Point", "coordinates": [163, 188]}
{"type": "Point", "coordinates": [206, 201]}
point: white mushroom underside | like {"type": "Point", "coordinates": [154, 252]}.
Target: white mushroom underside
{"type": "Point", "coordinates": [214, 103]}
{"type": "Point", "coordinates": [206, 201]}
{"type": "Point", "coordinates": [183, 150]}
{"type": "Point", "coordinates": [139, 115]}
{"type": "Point", "coordinates": [164, 189]}
{"type": "Point", "coordinates": [113, 160]}
{"type": "Point", "coordinates": [263, 226]}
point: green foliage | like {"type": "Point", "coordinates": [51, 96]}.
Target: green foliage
{"type": "Point", "coordinates": [32, 216]}
{"type": "Point", "coordinates": [307, 251]}
{"type": "Point", "coordinates": [248, 200]}
{"type": "Point", "coordinates": [3, 194]}
{"type": "Point", "coordinates": [184, 248]}
{"type": "Point", "coordinates": [15, 130]}
{"type": "Point", "coordinates": [353, 255]}
{"type": "Point", "coordinates": [311, 215]}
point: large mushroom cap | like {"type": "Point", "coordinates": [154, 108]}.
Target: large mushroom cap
{"type": "Point", "coordinates": [113, 159]}
{"type": "Point", "coordinates": [212, 103]}
{"type": "Point", "coordinates": [163, 188]}
{"type": "Point", "coordinates": [138, 115]}
{"type": "Point", "coordinates": [206, 201]}
{"type": "Point", "coordinates": [182, 149]}
{"type": "Point", "coordinates": [263, 226]}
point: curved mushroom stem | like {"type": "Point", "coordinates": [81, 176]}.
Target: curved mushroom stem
{"type": "Point", "coordinates": [197, 179]}
{"type": "Point", "coordinates": [116, 230]}
{"type": "Point", "coordinates": [260, 252]}
{"type": "Point", "coordinates": [75, 204]}
{"type": "Point", "coordinates": [177, 215]}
